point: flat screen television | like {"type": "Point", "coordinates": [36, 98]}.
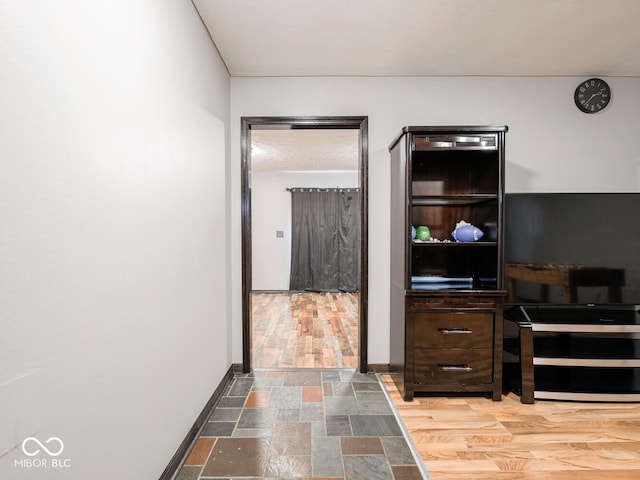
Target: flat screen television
{"type": "Point", "coordinates": [572, 248]}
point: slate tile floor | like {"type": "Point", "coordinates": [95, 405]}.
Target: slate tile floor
{"type": "Point", "coordinates": [304, 424]}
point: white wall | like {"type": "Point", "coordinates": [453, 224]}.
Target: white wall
{"type": "Point", "coordinates": [271, 211]}
{"type": "Point", "coordinates": [551, 146]}
{"type": "Point", "coordinates": [113, 130]}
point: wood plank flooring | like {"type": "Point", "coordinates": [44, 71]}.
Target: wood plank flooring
{"type": "Point", "coordinates": [304, 330]}
{"type": "Point", "coordinates": [474, 438]}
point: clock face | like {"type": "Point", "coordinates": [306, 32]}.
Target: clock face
{"type": "Point", "coordinates": [592, 95]}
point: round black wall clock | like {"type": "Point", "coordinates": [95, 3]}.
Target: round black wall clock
{"type": "Point", "coordinates": [592, 95]}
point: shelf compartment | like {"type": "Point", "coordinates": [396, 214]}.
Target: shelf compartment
{"type": "Point", "coordinates": [455, 173]}
{"type": "Point", "coordinates": [451, 244]}
{"type": "Point", "coordinates": [457, 261]}
{"type": "Point", "coordinates": [586, 380]}
{"type": "Point", "coordinates": [584, 346]}
{"type": "Point", "coordinates": [442, 219]}
{"type": "Point", "coordinates": [452, 200]}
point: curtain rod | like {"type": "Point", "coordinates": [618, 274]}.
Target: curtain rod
{"type": "Point", "coordinates": [322, 189]}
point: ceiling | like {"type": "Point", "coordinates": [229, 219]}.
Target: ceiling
{"type": "Point", "coordinates": [258, 38]}
{"type": "Point", "coordinates": [425, 37]}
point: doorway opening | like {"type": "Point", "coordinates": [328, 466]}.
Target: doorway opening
{"type": "Point", "coordinates": [343, 310]}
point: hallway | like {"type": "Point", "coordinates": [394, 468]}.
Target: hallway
{"type": "Point", "coordinates": [307, 424]}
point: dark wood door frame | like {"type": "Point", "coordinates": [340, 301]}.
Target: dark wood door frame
{"type": "Point", "coordinates": [249, 123]}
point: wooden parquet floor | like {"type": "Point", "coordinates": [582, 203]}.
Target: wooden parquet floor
{"type": "Point", "coordinates": [465, 438]}
{"type": "Point", "coordinates": [304, 330]}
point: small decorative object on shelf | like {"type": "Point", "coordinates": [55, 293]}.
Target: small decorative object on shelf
{"type": "Point", "coordinates": [413, 233]}
{"type": "Point", "coordinates": [423, 233]}
{"type": "Point", "coordinates": [465, 232]}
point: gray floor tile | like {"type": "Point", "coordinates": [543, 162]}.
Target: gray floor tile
{"type": "Point", "coordinates": [289, 414]}
{"type": "Point", "coordinates": [225, 415]}
{"type": "Point", "coordinates": [373, 402]}
{"type": "Point", "coordinates": [257, 418]}
{"type": "Point", "coordinates": [241, 387]}
{"type": "Point", "coordinates": [366, 467]}
{"type": "Point", "coordinates": [218, 429]}
{"type": "Point", "coordinates": [353, 376]}
{"type": "Point", "coordinates": [285, 397]}
{"type": "Point", "coordinates": [338, 426]}
{"type": "Point", "coordinates": [341, 405]}
{"type": "Point", "coordinates": [189, 473]}
{"type": "Point", "coordinates": [311, 411]}
{"type": "Point", "coordinates": [291, 438]}
{"type": "Point", "coordinates": [325, 453]}
{"type": "Point", "coordinates": [264, 382]}
{"type": "Point", "coordinates": [367, 386]}
{"type": "Point", "coordinates": [252, 432]}
{"type": "Point", "coordinates": [375, 426]}
{"type": "Point", "coordinates": [397, 451]}
{"type": "Point", "coordinates": [330, 376]}
{"type": "Point", "coordinates": [319, 428]}
{"type": "Point", "coordinates": [231, 402]}
{"type": "Point", "coordinates": [342, 389]}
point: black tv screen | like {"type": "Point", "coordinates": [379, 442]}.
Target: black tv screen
{"type": "Point", "coordinates": [572, 248]}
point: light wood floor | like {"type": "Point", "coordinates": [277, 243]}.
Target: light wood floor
{"type": "Point", "coordinates": [474, 438]}
{"type": "Point", "coordinates": [304, 330]}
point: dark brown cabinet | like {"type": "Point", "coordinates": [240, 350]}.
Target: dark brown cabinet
{"type": "Point", "coordinates": [447, 296]}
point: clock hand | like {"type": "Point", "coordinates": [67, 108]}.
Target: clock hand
{"type": "Point", "coordinates": [594, 95]}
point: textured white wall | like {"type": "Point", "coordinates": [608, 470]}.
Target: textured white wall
{"type": "Point", "coordinates": [271, 211]}
{"type": "Point", "coordinates": [551, 146]}
{"type": "Point", "coordinates": [113, 134]}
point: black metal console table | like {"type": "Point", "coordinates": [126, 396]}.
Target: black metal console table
{"type": "Point", "coordinates": [573, 352]}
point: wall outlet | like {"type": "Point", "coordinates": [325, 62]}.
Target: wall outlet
{"type": "Point", "coordinates": [279, 233]}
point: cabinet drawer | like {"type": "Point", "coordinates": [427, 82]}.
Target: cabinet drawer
{"type": "Point", "coordinates": [453, 367]}
{"type": "Point", "coordinates": [474, 303]}
{"type": "Point", "coordinates": [428, 304]}
{"type": "Point", "coordinates": [453, 330]}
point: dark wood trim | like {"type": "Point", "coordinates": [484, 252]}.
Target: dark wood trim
{"type": "Point", "coordinates": [245, 207]}
{"type": "Point", "coordinates": [526, 363]}
{"type": "Point", "coordinates": [347, 122]}
{"type": "Point", "coordinates": [183, 450]}
{"type": "Point", "coordinates": [237, 368]}
{"type": "Point", "coordinates": [364, 244]}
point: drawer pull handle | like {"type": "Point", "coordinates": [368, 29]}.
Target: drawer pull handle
{"type": "Point", "coordinates": [445, 367]}
{"type": "Point", "coordinates": [449, 331]}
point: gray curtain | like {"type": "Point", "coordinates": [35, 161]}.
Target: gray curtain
{"type": "Point", "coordinates": [325, 239]}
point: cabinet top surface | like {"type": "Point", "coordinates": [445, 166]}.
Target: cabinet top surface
{"type": "Point", "coordinates": [456, 293]}
{"type": "Point", "coordinates": [442, 129]}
